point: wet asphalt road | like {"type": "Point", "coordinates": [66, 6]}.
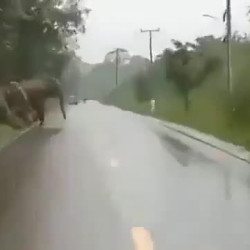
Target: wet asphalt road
{"type": "Point", "coordinates": [86, 183]}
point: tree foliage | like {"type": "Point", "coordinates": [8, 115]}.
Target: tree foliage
{"type": "Point", "coordinates": [36, 36]}
{"type": "Point", "coordinates": [187, 68]}
{"type": "Point", "coordinates": [142, 90]}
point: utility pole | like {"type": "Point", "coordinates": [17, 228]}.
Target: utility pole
{"type": "Point", "coordinates": [116, 66]}
{"type": "Point", "coordinates": [227, 18]}
{"type": "Point", "coordinates": [117, 60]}
{"type": "Point", "coordinates": [150, 41]}
{"type": "Point", "coordinates": [229, 51]}
{"type": "Point", "coordinates": [116, 52]}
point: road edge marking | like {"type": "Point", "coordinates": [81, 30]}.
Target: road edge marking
{"type": "Point", "coordinates": [206, 143]}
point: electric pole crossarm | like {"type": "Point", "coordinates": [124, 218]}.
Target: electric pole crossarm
{"type": "Point", "coordinates": [152, 30]}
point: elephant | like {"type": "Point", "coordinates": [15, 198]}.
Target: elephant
{"type": "Point", "coordinates": [38, 90]}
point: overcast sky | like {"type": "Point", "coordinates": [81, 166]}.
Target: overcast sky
{"type": "Point", "coordinates": [117, 23]}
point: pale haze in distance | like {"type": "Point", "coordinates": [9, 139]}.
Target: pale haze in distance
{"type": "Point", "coordinates": [117, 23]}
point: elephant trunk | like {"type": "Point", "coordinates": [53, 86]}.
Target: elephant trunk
{"type": "Point", "coordinates": [61, 99]}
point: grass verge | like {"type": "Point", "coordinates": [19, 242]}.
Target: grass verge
{"type": "Point", "coordinates": [7, 134]}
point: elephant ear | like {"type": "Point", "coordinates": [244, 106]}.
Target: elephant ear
{"type": "Point", "coordinates": [17, 88]}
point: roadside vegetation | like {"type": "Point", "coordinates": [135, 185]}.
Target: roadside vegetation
{"type": "Point", "coordinates": [189, 85]}
{"type": "Point", "coordinates": [7, 133]}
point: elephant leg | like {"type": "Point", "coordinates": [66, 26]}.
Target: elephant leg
{"type": "Point", "coordinates": [41, 114]}
{"type": "Point", "coordinates": [39, 108]}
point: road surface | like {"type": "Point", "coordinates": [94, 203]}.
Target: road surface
{"type": "Point", "coordinates": [91, 182]}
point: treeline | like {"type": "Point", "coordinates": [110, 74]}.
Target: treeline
{"type": "Point", "coordinates": [186, 67]}
{"type": "Point", "coordinates": [189, 67]}
{"type": "Point", "coordinates": [37, 37]}
{"type": "Point", "coordinates": [101, 79]}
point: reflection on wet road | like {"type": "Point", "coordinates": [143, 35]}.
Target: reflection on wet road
{"type": "Point", "coordinates": [182, 153]}
{"type": "Point", "coordinates": [107, 180]}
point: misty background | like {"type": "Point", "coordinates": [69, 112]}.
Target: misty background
{"type": "Point", "coordinates": [115, 23]}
